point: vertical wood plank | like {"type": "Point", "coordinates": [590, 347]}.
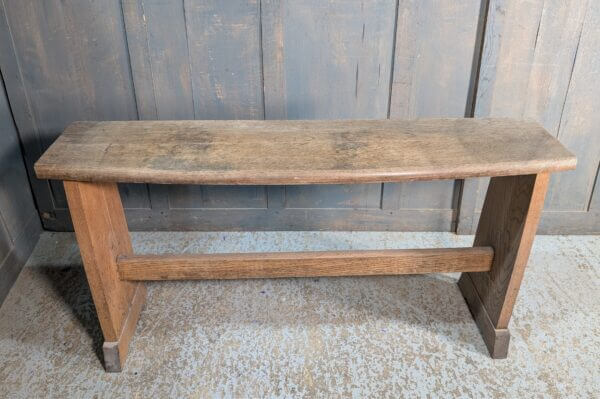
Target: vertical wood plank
{"type": "Point", "coordinates": [357, 196]}
{"type": "Point", "coordinates": [556, 45]}
{"type": "Point", "coordinates": [435, 43]}
{"type": "Point", "coordinates": [16, 202]}
{"type": "Point", "coordinates": [23, 112]}
{"type": "Point", "coordinates": [510, 215]}
{"type": "Point", "coordinates": [276, 197]}
{"type": "Point", "coordinates": [508, 223]}
{"type": "Point", "coordinates": [528, 70]}
{"type": "Point", "coordinates": [327, 60]}
{"type": "Point", "coordinates": [579, 122]}
{"type": "Point", "coordinates": [224, 50]}
{"type": "Point", "coordinates": [595, 200]}
{"type": "Point", "coordinates": [136, 29]}
{"type": "Point", "coordinates": [61, 56]}
{"type": "Point", "coordinates": [273, 59]}
{"type": "Point", "coordinates": [169, 58]}
{"type": "Point", "coordinates": [224, 56]}
{"type": "Point", "coordinates": [102, 235]}
{"type": "Point", "coordinates": [158, 50]}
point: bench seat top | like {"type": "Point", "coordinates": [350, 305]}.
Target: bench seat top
{"type": "Point", "coordinates": [300, 152]}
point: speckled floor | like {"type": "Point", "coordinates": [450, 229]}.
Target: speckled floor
{"type": "Point", "coordinates": [405, 336]}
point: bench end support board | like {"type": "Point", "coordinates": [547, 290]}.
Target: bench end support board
{"type": "Point", "coordinates": [102, 235]}
{"type": "Point", "coordinates": [509, 220]}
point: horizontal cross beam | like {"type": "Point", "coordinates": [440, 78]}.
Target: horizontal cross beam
{"type": "Point", "coordinates": [304, 264]}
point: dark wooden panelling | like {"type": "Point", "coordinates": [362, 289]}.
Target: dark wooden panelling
{"type": "Point", "coordinates": [5, 241]}
{"type": "Point", "coordinates": [224, 55]}
{"type": "Point", "coordinates": [579, 122]}
{"type": "Point", "coordinates": [218, 197]}
{"type": "Point", "coordinates": [540, 61]}
{"type": "Point", "coordinates": [16, 202]}
{"type": "Point", "coordinates": [355, 196]}
{"type": "Point", "coordinates": [291, 219]}
{"type": "Point", "coordinates": [327, 60]}
{"type": "Point", "coordinates": [185, 59]}
{"type": "Point", "coordinates": [198, 60]}
{"type": "Point", "coordinates": [224, 50]}
{"type": "Point", "coordinates": [13, 263]}
{"type": "Point", "coordinates": [64, 61]}
{"type": "Point", "coordinates": [19, 221]}
{"type": "Point", "coordinates": [169, 55]}
{"type": "Point", "coordinates": [595, 200]}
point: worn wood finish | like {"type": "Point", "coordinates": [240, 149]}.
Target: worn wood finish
{"type": "Point", "coordinates": [300, 152]}
{"type": "Point", "coordinates": [115, 352]}
{"type": "Point", "coordinates": [304, 264]}
{"type": "Point", "coordinates": [496, 339]}
{"type": "Point", "coordinates": [102, 235]}
{"type": "Point", "coordinates": [509, 221]}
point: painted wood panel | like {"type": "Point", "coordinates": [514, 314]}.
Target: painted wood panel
{"type": "Point", "coordinates": [355, 196]}
{"type": "Point", "coordinates": [191, 197]}
{"type": "Point", "coordinates": [66, 61]}
{"type": "Point", "coordinates": [538, 64]}
{"type": "Point", "coordinates": [595, 201]}
{"type": "Point", "coordinates": [328, 60]}
{"type": "Point", "coordinates": [435, 46]}
{"type": "Point", "coordinates": [19, 220]}
{"type": "Point", "coordinates": [198, 60]}
{"type": "Point", "coordinates": [579, 122]}
{"type": "Point", "coordinates": [16, 202]}
{"type": "Point", "coordinates": [5, 241]}
{"type": "Point", "coordinates": [276, 59]}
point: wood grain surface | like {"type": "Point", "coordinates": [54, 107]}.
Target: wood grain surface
{"type": "Point", "coordinates": [102, 235]}
{"type": "Point", "coordinates": [300, 152]}
{"type": "Point", "coordinates": [304, 264]}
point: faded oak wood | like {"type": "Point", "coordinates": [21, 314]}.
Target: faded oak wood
{"type": "Point", "coordinates": [304, 264]}
{"type": "Point", "coordinates": [517, 155]}
{"type": "Point", "coordinates": [102, 235]}
{"type": "Point", "coordinates": [300, 152]}
{"type": "Point", "coordinates": [508, 223]}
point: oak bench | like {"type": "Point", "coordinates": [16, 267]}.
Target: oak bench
{"type": "Point", "coordinates": [92, 157]}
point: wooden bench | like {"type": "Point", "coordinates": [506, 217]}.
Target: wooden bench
{"type": "Point", "coordinates": [91, 157]}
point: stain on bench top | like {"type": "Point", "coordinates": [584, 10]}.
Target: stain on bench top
{"type": "Point", "coordinates": [300, 152]}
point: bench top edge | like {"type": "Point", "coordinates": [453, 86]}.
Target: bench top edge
{"type": "Point", "coordinates": [335, 151]}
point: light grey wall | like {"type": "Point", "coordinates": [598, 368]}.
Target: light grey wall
{"type": "Point", "coordinates": [19, 222]}
{"type": "Point", "coordinates": [70, 60]}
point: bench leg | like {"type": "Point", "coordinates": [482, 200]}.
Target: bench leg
{"type": "Point", "coordinates": [508, 223]}
{"type": "Point", "coordinates": [102, 235]}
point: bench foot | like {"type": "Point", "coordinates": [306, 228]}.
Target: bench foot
{"type": "Point", "coordinates": [115, 352]}
{"type": "Point", "coordinates": [496, 339]}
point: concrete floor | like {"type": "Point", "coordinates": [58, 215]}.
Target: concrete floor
{"type": "Point", "coordinates": [404, 336]}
